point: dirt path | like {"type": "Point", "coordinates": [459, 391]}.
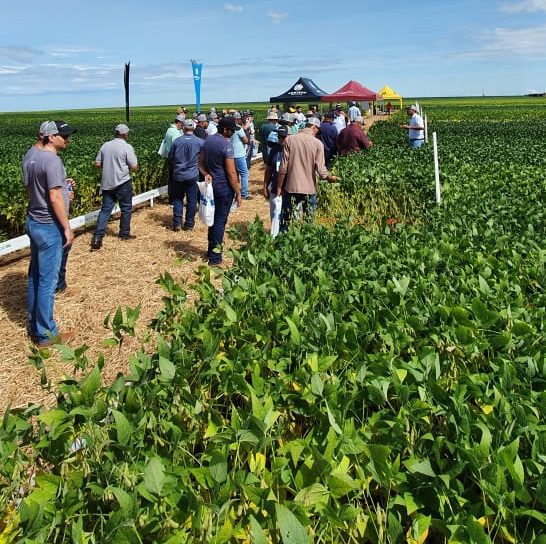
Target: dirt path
{"type": "Point", "coordinates": [120, 274]}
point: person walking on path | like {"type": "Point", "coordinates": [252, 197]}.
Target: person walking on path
{"type": "Point", "coordinates": [117, 159]}
{"type": "Point", "coordinates": [303, 158]}
{"type": "Point", "coordinates": [184, 158]}
{"type": "Point", "coordinates": [415, 128]}
{"type": "Point", "coordinates": [352, 139]}
{"type": "Point", "coordinates": [217, 165]}
{"type": "Point", "coordinates": [48, 229]}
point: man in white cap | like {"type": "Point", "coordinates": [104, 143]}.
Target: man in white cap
{"type": "Point", "coordinates": [415, 128]}
{"type": "Point", "coordinates": [117, 160]}
{"type": "Point", "coordinates": [48, 229]}
{"type": "Point", "coordinates": [212, 127]}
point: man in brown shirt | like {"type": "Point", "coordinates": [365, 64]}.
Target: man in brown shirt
{"type": "Point", "coordinates": [352, 138]}
{"type": "Point", "coordinates": [303, 158]}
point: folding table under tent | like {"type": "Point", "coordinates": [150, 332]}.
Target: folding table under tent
{"type": "Point", "coordinates": [352, 91]}
{"type": "Point", "coordinates": [387, 94]}
{"type": "Point", "coordinates": [304, 90]}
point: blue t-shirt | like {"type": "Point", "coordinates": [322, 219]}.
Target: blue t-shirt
{"type": "Point", "coordinates": [238, 145]}
{"type": "Point", "coordinates": [274, 158]}
{"type": "Point", "coordinates": [184, 156]}
{"type": "Point", "coordinates": [217, 149]}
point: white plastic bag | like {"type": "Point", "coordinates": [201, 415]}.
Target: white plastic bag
{"type": "Point", "coordinates": [162, 151]}
{"type": "Point", "coordinates": [206, 202]}
{"type": "Point", "coordinates": [275, 209]}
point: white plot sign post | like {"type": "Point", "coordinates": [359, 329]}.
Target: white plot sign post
{"type": "Point", "coordinates": [436, 169]}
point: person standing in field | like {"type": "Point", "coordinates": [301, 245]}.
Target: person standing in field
{"type": "Point", "coordinates": [415, 128]}
{"type": "Point", "coordinates": [328, 136]}
{"type": "Point", "coordinates": [183, 157]}
{"type": "Point", "coordinates": [173, 132]}
{"type": "Point", "coordinates": [353, 112]}
{"type": "Point", "coordinates": [269, 126]}
{"type": "Point", "coordinates": [275, 143]}
{"type": "Point", "coordinates": [303, 158]}
{"type": "Point", "coordinates": [62, 286]}
{"type": "Point", "coordinates": [117, 160]}
{"type": "Point", "coordinates": [48, 229]}
{"type": "Point", "coordinates": [340, 118]}
{"type": "Point", "coordinates": [352, 139]}
{"type": "Point", "coordinates": [239, 140]}
{"type": "Point", "coordinates": [217, 165]}
{"type": "Point", "coordinates": [201, 129]}
{"type": "Point", "coordinates": [212, 127]}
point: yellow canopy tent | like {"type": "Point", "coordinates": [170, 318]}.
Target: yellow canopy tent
{"type": "Point", "coordinates": [387, 93]}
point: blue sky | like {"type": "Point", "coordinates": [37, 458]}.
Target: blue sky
{"type": "Point", "coordinates": [70, 54]}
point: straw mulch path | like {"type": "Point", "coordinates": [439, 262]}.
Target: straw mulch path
{"type": "Point", "coordinates": [120, 274]}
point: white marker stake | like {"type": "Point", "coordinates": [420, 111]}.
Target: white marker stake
{"type": "Point", "coordinates": [436, 169]}
{"type": "Point", "coordinates": [426, 129]}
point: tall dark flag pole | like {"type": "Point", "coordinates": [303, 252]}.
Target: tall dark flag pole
{"type": "Point", "coordinates": [126, 83]}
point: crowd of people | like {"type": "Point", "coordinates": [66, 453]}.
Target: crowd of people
{"type": "Point", "coordinates": [297, 149]}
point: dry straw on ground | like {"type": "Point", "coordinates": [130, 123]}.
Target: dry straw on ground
{"type": "Point", "coordinates": [120, 274]}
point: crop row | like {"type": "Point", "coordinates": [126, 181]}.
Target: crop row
{"type": "Point", "coordinates": [366, 381]}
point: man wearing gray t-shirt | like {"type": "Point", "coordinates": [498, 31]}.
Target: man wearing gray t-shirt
{"type": "Point", "coordinates": [48, 229]}
{"type": "Point", "coordinates": [117, 159]}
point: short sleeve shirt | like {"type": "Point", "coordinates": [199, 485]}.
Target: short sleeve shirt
{"type": "Point", "coordinates": [238, 145]}
{"type": "Point", "coordinates": [416, 121]}
{"type": "Point", "coordinates": [117, 157]}
{"type": "Point", "coordinates": [216, 150]}
{"type": "Point", "coordinates": [44, 171]}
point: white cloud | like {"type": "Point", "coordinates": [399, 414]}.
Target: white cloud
{"type": "Point", "coordinates": [525, 6]}
{"type": "Point", "coordinates": [233, 7]}
{"type": "Point", "coordinates": [276, 17]}
{"type": "Point", "coordinates": [20, 54]}
{"type": "Point", "coordinates": [70, 51]}
{"type": "Point", "coordinates": [529, 42]}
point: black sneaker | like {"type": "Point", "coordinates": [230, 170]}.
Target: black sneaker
{"type": "Point", "coordinates": [176, 228]}
{"type": "Point", "coordinates": [96, 243]}
{"type": "Point", "coordinates": [187, 227]}
{"type": "Point", "coordinates": [128, 237]}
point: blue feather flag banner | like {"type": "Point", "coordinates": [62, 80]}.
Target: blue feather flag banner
{"type": "Point", "coordinates": [197, 67]}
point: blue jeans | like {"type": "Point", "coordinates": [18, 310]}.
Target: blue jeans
{"type": "Point", "coordinates": [188, 189]}
{"type": "Point", "coordinates": [222, 205]}
{"type": "Point", "coordinates": [415, 144]}
{"type": "Point", "coordinates": [124, 195]}
{"type": "Point", "coordinates": [46, 248]}
{"type": "Point", "coordinates": [242, 170]}
{"type": "Point", "coordinates": [61, 281]}
{"type": "Point", "coordinates": [290, 202]}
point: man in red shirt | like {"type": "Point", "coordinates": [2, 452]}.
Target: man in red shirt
{"type": "Point", "coordinates": [352, 139]}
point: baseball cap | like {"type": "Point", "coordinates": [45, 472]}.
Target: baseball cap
{"type": "Point", "coordinates": [282, 131]}
{"type": "Point", "coordinates": [57, 127]}
{"type": "Point", "coordinates": [122, 129]}
{"type": "Point", "coordinates": [43, 127]}
{"type": "Point", "coordinates": [413, 107]}
{"type": "Point", "coordinates": [339, 107]}
{"type": "Point", "coordinates": [329, 114]}
{"type": "Point", "coordinates": [201, 117]}
{"type": "Point", "coordinates": [286, 118]}
{"type": "Point", "coordinates": [213, 115]}
{"type": "Point", "coordinates": [237, 115]}
{"type": "Point", "coordinates": [180, 118]}
{"type": "Point", "coordinates": [227, 122]}
{"type": "Point", "coordinates": [312, 121]}
{"type": "Point", "coordinates": [291, 110]}
{"type": "Point", "coordinates": [188, 123]}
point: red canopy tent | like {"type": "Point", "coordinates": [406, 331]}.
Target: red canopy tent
{"type": "Point", "coordinates": [353, 91]}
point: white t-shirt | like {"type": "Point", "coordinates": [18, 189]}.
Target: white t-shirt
{"type": "Point", "coordinates": [416, 121]}
{"type": "Point", "coordinates": [340, 123]}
